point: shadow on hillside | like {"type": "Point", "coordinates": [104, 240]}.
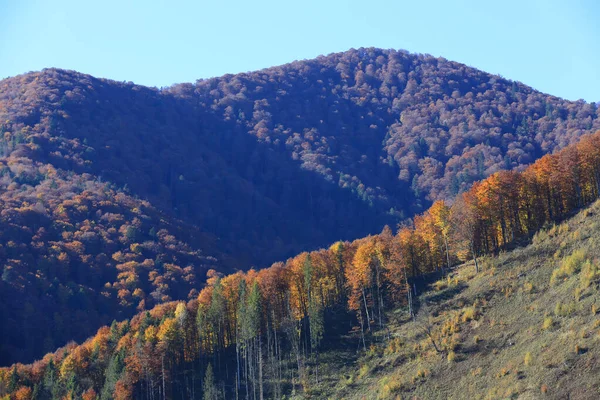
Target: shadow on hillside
{"type": "Point", "coordinates": [192, 162]}
{"type": "Point", "coordinates": [445, 294]}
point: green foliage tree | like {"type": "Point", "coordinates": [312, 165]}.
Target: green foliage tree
{"type": "Point", "coordinates": [210, 391]}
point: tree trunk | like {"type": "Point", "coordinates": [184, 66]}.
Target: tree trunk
{"type": "Point", "coordinates": [163, 376]}
{"type": "Point", "coordinates": [362, 332]}
{"type": "Point", "coordinates": [260, 371]}
{"type": "Point", "coordinates": [447, 256]}
{"type": "Point", "coordinates": [474, 258]}
{"type": "Point", "coordinates": [366, 309]}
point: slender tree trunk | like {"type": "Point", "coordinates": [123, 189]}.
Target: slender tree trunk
{"type": "Point", "coordinates": [362, 332]}
{"type": "Point", "coordinates": [237, 357]}
{"type": "Point", "coordinates": [300, 372]}
{"type": "Point", "coordinates": [260, 371]}
{"type": "Point", "coordinates": [277, 362]}
{"type": "Point", "coordinates": [447, 255]}
{"type": "Point", "coordinates": [379, 297]}
{"type": "Point", "coordinates": [253, 367]}
{"type": "Point", "coordinates": [246, 370]}
{"type": "Point", "coordinates": [163, 376]}
{"type": "Point", "coordinates": [474, 258]}
{"type": "Point", "coordinates": [366, 309]}
{"type": "Point", "coordinates": [237, 388]}
{"type": "Point", "coordinates": [317, 366]}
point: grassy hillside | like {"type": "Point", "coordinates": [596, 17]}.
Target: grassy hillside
{"type": "Point", "coordinates": [525, 327]}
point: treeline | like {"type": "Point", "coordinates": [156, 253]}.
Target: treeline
{"type": "Point", "coordinates": [258, 334]}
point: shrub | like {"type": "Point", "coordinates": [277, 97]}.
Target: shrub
{"type": "Point", "coordinates": [394, 345]}
{"type": "Point", "coordinates": [469, 313]}
{"type": "Point", "coordinates": [569, 265]}
{"type": "Point", "coordinates": [373, 351]}
{"type": "Point", "coordinates": [540, 236]}
{"type": "Point", "coordinates": [440, 285]}
{"type": "Point", "coordinates": [564, 310]}
{"type": "Point", "coordinates": [363, 371]}
{"type": "Point", "coordinates": [451, 356]}
{"type": "Point", "coordinates": [548, 323]}
{"type": "Point", "coordinates": [527, 359]}
{"type": "Point", "coordinates": [422, 374]}
{"type": "Point", "coordinates": [589, 274]}
{"type": "Point", "coordinates": [388, 387]}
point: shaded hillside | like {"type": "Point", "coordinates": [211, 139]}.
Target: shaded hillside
{"type": "Point", "coordinates": [76, 254]}
{"type": "Point", "coordinates": [289, 158]}
{"type": "Point", "coordinates": [289, 330]}
{"type": "Point", "coordinates": [355, 117]}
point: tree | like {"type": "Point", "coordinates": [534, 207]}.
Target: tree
{"type": "Point", "coordinates": [315, 313]}
{"type": "Point", "coordinates": [113, 374]}
{"type": "Point", "coordinates": [589, 157]}
{"type": "Point", "coordinates": [465, 219]}
{"type": "Point", "coordinates": [359, 277]}
{"type": "Point", "coordinates": [440, 212]}
{"type": "Point", "coordinates": [210, 391]}
{"type": "Point", "coordinates": [23, 393]}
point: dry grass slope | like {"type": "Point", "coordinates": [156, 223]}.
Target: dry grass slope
{"type": "Point", "coordinates": [525, 327]}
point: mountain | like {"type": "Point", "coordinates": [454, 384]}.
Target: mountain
{"type": "Point", "coordinates": [491, 297]}
{"type": "Point", "coordinates": [233, 172]}
{"type": "Point", "coordinates": [288, 158]}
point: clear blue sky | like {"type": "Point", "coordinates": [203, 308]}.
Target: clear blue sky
{"type": "Point", "coordinates": [551, 45]}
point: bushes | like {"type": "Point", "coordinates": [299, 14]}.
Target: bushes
{"type": "Point", "coordinates": [469, 313]}
{"type": "Point", "coordinates": [394, 345]}
{"type": "Point", "coordinates": [540, 237]}
{"type": "Point", "coordinates": [564, 310]}
{"type": "Point", "coordinates": [589, 274]}
{"type": "Point", "coordinates": [388, 387]}
{"type": "Point", "coordinates": [451, 356]}
{"type": "Point", "coordinates": [569, 266]}
{"type": "Point", "coordinates": [548, 323]}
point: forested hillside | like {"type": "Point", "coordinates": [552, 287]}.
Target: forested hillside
{"type": "Point", "coordinates": [117, 197]}
{"type": "Point", "coordinates": [77, 254]}
{"type": "Point", "coordinates": [269, 333]}
{"type": "Point", "coordinates": [288, 158]}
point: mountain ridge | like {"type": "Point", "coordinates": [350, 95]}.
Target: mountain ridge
{"type": "Point", "coordinates": [261, 165]}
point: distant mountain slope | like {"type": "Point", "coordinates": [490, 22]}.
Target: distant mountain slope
{"type": "Point", "coordinates": [293, 157]}
{"type": "Point", "coordinates": [258, 166]}
{"type": "Point", "coordinates": [355, 117]}
{"type": "Point", "coordinates": [76, 254]}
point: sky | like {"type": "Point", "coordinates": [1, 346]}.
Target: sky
{"type": "Point", "coordinates": [551, 45]}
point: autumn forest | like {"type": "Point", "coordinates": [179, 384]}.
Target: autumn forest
{"type": "Point", "coordinates": [220, 239]}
